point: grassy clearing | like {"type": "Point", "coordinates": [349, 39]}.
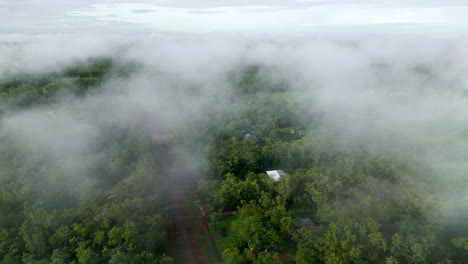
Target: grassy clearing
{"type": "Point", "coordinates": [300, 213]}
{"type": "Point", "coordinates": [222, 242]}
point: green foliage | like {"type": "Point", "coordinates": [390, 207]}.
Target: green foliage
{"type": "Point", "coordinates": [261, 227]}
{"type": "Point", "coordinates": [232, 191]}
{"type": "Point", "coordinates": [53, 213]}
{"type": "Point", "coordinates": [79, 79]}
{"type": "Point", "coordinates": [238, 157]}
{"type": "Point", "coordinates": [366, 206]}
{"type": "Point", "coordinates": [99, 230]}
{"type": "Point", "coordinates": [253, 79]}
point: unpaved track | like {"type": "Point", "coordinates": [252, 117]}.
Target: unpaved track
{"type": "Point", "coordinates": [177, 192]}
{"type": "Point", "coordinates": [181, 232]}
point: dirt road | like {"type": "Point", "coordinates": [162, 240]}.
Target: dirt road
{"type": "Point", "coordinates": [185, 229]}
{"type": "Point", "coordinates": [183, 243]}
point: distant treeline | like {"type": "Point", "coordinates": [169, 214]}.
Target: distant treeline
{"type": "Point", "coordinates": [78, 79]}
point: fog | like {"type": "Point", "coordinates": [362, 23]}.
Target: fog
{"type": "Point", "coordinates": [400, 92]}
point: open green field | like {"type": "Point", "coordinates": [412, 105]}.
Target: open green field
{"type": "Point", "coordinates": [222, 242]}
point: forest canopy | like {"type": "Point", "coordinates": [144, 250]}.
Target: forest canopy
{"type": "Point", "coordinates": [369, 155]}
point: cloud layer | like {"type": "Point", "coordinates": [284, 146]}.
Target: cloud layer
{"type": "Point", "coordinates": [399, 91]}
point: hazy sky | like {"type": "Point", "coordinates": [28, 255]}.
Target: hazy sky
{"type": "Point", "coordinates": [341, 17]}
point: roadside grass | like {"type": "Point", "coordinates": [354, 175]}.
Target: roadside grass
{"type": "Point", "coordinates": [222, 242]}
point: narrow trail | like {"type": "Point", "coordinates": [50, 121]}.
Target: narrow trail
{"type": "Point", "coordinates": [181, 232]}
{"type": "Point", "coordinates": [203, 225]}
{"type": "Point", "coordinates": [183, 244]}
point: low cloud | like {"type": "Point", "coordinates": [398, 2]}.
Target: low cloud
{"type": "Point", "coordinates": [411, 90]}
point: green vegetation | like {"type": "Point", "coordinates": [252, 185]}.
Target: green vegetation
{"type": "Point", "coordinates": [363, 205]}
{"type": "Point", "coordinates": [79, 80]}
{"type": "Point", "coordinates": [221, 232]}
{"type": "Point", "coordinates": [339, 201]}
{"type": "Point", "coordinates": [100, 205]}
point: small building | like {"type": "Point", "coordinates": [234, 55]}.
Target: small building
{"type": "Point", "coordinates": [275, 174]}
{"type": "Point", "coordinates": [249, 136]}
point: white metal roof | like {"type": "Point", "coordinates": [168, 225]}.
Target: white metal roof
{"type": "Point", "coordinates": [275, 174]}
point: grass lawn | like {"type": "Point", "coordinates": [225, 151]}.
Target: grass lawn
{"type": "Point", "coordinates": [300, 213]}
{"type": "Point", "coordinates": [222, 242]}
